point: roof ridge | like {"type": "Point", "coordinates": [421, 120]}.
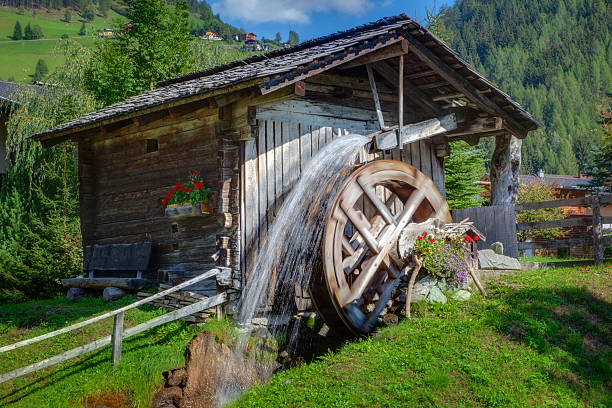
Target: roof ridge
{"type": "Point", "coordinates": [284, 51]}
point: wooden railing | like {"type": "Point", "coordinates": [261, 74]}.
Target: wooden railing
{"type": "Point", "coordinates": [119, 333]}
{"type": "Point", "coordinates": [596, 238]}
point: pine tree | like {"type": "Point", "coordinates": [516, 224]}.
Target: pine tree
{"type": "Point", "coordinates": [278, 38]}
{"type": "Point", "coordinates": [89, 13]}
{"type": "Point", "coordinates": [463, 169]}
{"type": "Point", "coordinates": [67, 16]}
{"type": "Point", "coordinates": [294, 38]}
{"type": "Point", "coordinates": [41, 70]}
{"type": "Point", "coordinates": [37, 32]}
{"type": "Point", "coordinates": [17, 34]}
{"type": "Point", "coordinates": [83, 30]}
{"type": "Point", "coordinates": [601, 169]}
{"type": "Point", "coordinates": [27, 32]}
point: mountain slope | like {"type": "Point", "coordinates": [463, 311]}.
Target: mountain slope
{"type": "Point", "coordinates": [553, 56]}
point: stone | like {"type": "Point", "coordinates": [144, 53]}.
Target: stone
{"type": "Point", "coordinates": [443, 286]}
{"type": "Point", "coordinates": [498, 248]}
{"type": "Point", "coordinates": [176, 377]}
{"type": "Point", "coordinates": [112, 293]}
{"type": "Point", "coordinates": [461, 295]}
{"type": "Point", "coordinates": [488, 259]}
{"type": "Point", "coordinates": [168, 397]}
{"type": "Point", "coordinates": [436, 296]}
{"type": "Point", "coordinates": [421, 289]}
{"type": "Point", "coordinates": [75, 293]}
{"type": "Point", "coordinates": [390, 319]}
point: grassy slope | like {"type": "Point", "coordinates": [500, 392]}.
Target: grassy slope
{"type": "Point", "coordinates": [144, 356]}
{"type": "Point", "coordinates": [541, 339]}
{"type": "Point", "coordinates": [18, 58]}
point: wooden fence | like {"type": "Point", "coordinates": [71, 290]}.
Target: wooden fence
{"type": "Point", "coordinates": [498, 223]}
{"type": "Point", "coordinates": [595, 238]}
{"type": "Point", "coordinates": [119, 333]}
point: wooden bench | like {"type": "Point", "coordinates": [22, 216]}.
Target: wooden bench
{"type": "Point", "coordinates": [113, 259]}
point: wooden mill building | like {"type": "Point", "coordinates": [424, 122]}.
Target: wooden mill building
{"type": "Point", "coordinates": [250, 126]}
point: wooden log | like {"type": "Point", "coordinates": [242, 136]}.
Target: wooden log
{"type": "Point", "coordinates": [379, 114]}
{"type": "Point", "coordinates": [597, 231]}
{"type": "Point", "coordinates": [568, 222]}
{"type": "Point", "coordinates": [417, 131]}
{"type": "Point", "coordinates": [117, 339]}
{"type": "Point", "coordinates": [415, 272]}
{"type": "Point", "coordinates": [207, 275]}
{"type": "Point", "coordinates": [568, 202]}
{"type": "Point", "coordinates": [101, 283]}
{"type": "Point", "coordinates": [560, 243]}
{"type": "Point", "coordinates": [505, 166]}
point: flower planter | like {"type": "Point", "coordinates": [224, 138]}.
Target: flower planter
{"type": "Point", "coordinates": [187, 210]}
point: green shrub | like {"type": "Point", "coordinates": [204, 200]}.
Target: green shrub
{"type": "Point", "coordinates": [535, 192]}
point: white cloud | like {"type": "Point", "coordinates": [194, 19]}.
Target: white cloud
{"type": "Point", "coordinates": [285, 11]}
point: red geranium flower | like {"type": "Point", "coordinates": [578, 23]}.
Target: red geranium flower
{"type": "Point", "coordinates": [432, 240]}
{"type": "Point", "coordinates": [164, 201]}
{"type": "Point", "coordinates": [195, 173]}
{"type": "Point", "coordinates": [468, 239]}
{"type": "Point", "coordinates": [420, 237]}
{"type": "Point", "coordinates": [476, 238]}
{"type": "Point", "coordinates": [424, 233]}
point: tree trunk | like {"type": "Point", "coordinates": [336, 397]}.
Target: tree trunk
{"type": "Point", "coordinates": [505, 167]}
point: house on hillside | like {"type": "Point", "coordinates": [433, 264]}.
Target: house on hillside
{"type": "Point", "coordinates": [211, 35]}
{"type": "Point", "coordinates": [249, 37]}
{"type": "Point", "coordinates": [106, 33]}
{"type": "Point", "coordinates": [250, 126]}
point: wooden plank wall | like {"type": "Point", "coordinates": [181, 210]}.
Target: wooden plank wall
{"type": "Point", "coordinates": [497, 223]}
{"type": "Point", "coordinates": [122, 186]}
{"type": "Point", "coordinates": [274, 162]}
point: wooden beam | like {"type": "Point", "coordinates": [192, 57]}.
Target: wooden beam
{"type": "Point", "coordinates": [478, 125]}
{"type": "Point", "coordinates": [417, 131]}
{"type": "Point", "coordinates": [400, 91]}
{"type": "Point", "coordinates": [568, 222]}
{"type": "Point", "coordinates": [391, 51]}
{"type": "Point", "coordinates": [381, 120]}
{"type": "Point", "coordinates": [569, 202]}
{"type": "Point", "coordinates": [462, 85]}
{"type": "Point", "coordinates": [389, 74]}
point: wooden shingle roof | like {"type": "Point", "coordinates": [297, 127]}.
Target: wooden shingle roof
{"type": "Point", "coordinates": [283, 67]}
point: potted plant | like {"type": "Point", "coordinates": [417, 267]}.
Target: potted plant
{"type": "Point", "coordinates": [190, 198]}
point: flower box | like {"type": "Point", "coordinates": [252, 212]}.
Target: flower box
{"type": "Point", "coordinates": [175, 210]}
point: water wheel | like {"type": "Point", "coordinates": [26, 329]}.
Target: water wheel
{"type": "Point", "coordinates": [360, 267]}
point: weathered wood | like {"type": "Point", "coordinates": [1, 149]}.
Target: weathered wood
{"type": "Point", "coordinates": [101, 283]}
{"type": "Point", "coordinates": [400, 103]}
{"type": "Point", "coordinates": [568, 202]}
{"type": "Point", "coordinates": [75, 326]}
{"type": "Point", "coordinates": [379, 114]}
{"type": "Point", "coordinates": [505, 166]}
{"type": "Point", "coordinates": [117, 339]}
{"type": "Point", "coordinates": [462, 85]}
{"type": "Point", "coordinates": [597, 231]}
{"type": "Point", "coordinates": [417, 131]}
{"type": "Point", "coordinates": [391, 51]}
{"type": "Point", "coordinates": [560, 243]}
{"type": "Point", "coordinates": [122, 257]}
{"type": "Point", "coordinates": [568, 222]}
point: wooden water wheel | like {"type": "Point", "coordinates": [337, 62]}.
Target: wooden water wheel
{"type": "Point", "coordinates": [360, 267]}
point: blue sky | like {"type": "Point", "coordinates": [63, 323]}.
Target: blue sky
{"type": "Point", "coordinates": [312, 18]}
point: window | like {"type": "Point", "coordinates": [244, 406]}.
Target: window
{"type": "Point", "coordinates": [151, 145]}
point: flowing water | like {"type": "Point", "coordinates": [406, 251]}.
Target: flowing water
{"type": "Point", "coordinates": [290, 248]}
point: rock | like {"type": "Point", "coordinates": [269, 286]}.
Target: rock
{"type": "Point", "coordinates": [443, 286]}
{"type": "Point", "coordinates": [75, 293]}
{"type": "Point", "coordinates": [421, 289]}
{"type": "Point", "coordinates": [169, 397]}
{"type": "Point", "coordinates": [488, 259]}
{"type": "Point", "coordinates": [436, 296]}
{"type": "Point", "coordinates": [461, 295]}
{"type": "Point", "coordinates": [176, 377]}
{"type": "Point", "coordinates": [498, 248]}
{"type": "Point", "coordinates": [112, 293]}
{"type": "Point", "coordinates": [390, 319]}
{"type": "Point", "coordinates": [261, 332]}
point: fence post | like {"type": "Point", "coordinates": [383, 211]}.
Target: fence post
{"type": "Point", "coordinates": [597, 231]}
{"type": "Point", "coordinates": [117, 339]}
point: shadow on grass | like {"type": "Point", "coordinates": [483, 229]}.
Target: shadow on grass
{"type": "Point", "coordinates": [87, 362]}
{"type": "Point", "coordinates": [571, 325]}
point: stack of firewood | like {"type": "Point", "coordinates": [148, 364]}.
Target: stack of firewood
{"type": "Point", "coordinates": [174, 301]}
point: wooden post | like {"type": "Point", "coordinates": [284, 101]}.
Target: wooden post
{"type": "Point", "coordinates": [381, 121]}
{"type": "Point", "coordinates": [505, 167]}
{"type": "Point", "coordinates": [597, 230]}
{"type": "Point", "coordinates": [400, 102]}
{"type": "Point", "coordinates": [117, 338]}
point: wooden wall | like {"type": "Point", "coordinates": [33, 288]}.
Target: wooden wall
{"type": "Point", "coordinates": [274, 160]}
{"type": "Point", "coordinates": [121, 187]}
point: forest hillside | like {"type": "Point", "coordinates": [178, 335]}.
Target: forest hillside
{"type": "Point", "coordinates": [554, 57]}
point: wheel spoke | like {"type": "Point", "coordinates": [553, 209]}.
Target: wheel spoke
{"type": "Point", "coordinates": [376, 201]}
{"type": "Point", "coordinates": [362, 225]}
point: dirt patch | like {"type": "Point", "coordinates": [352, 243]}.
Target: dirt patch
{"type": "Point", "coordinates": [117, 399]}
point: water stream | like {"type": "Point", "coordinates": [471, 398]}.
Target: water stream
{"type": "Point", "coordinates": [290, 249]}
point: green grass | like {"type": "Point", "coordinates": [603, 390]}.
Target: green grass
{"type": "Point", "coordinates": [541, 339]}
{"type": "Point", "coordinates": [550, 259]}
{"type": "Point", "coordinates": [145, 356]}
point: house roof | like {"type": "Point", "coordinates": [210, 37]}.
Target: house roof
{"type": "Point", "coordinates": [285, 66]}
{"type": "Point", "coordinates": [559, 181]}
{"type": "Point", "coordinates": [8, 90]}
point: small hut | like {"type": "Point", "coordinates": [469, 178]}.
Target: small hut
{"type": "Point", "coordinates": [250, 126]}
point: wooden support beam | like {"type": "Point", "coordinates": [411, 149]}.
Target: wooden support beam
{"type": "Point", "coordinates": [117, 339]}
{"type": "Point", "coordinates": [400, 121]}
{"type": "Point", "coordinates": [391, 51]}
{"type": "Point", "coordinates": [505, 166]}
{"type": "Point", "coordinates": [381, 120]}
{"type": "Point", "coordinates": [389, 74]}
{"type": "Point", "coordinates": [416, 131]}
{"type": "Point", "coordinates": [462, 85]}
{"type": "Point", "coordinates": [478, 125]}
